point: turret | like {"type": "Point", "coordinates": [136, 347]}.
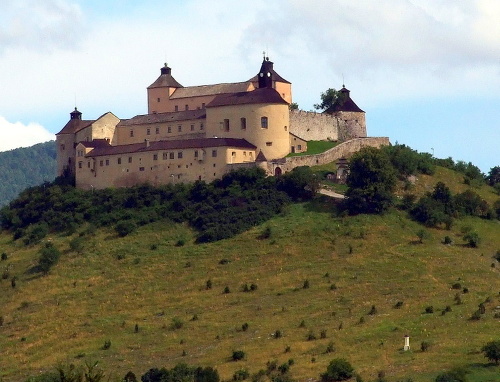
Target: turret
{"type": "Point", "coordinates": [75, 114]}
{"type": "Point", "coordinates": [266, 74]}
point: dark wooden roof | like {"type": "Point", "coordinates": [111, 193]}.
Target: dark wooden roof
{"type": "Point", "coordinates": [172, 145]}
{"type": "Point", "coordinates": [268, 66]}
{"type": "Point", "coordinates": [261, 157]}
{"type": "Point", "coordinates": [174, 116]}
{"type": "Point", "coordinates": [165, 79]}
{"type": "Point", "coordinates": [262, 95]}
{"type": "Point", "coordinates": [347, 104]}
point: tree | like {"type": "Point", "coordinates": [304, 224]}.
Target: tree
{"type": "Point", "coordinates": [454, 375]}
{"type": "Point", "coordinates": [293, 106]}
{"type": "Point", "coordinates": [49, 256]}
{"type": "Point", "coordinates": [338, 370]}
{"type": "Point", "coordinates": [371, 181]}
{"type": "Point", "coordinates": [492, 351]}
{"type": "Point", "coordinates": [300, 183]}
{"type": "Point", "coordinates": [329, 98]}
{"type": "Point", "coordinates": [494, 176]}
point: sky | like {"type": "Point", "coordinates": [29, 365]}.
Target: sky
{"type": "Point", "coordinates": [426, 72]}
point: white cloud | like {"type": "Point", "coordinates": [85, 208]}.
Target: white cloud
{"type": "Point", "coordinates": [39, 25]}
{"type": "Point", "coordinates": [13, 135]}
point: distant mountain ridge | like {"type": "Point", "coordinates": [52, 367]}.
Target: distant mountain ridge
{"type": "Point", "coordinates": [25, 167]}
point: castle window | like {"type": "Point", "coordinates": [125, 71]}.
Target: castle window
{"type": "Point", "coordinates": [119, 160]}
{"type": "Point", "coordinates": [79, 164]}
{"type": "Point", "coordinates": [187, 107]}
{"type": "Point", "coordinates": [299, 147]}
{"type": "Point", "coordinates": [148, 132]}
{"type": "Point", "coordinates": [141, 168]}
{"type": "Point", "coordinates": [243, 122]}
{"type": "Point", "coordinates": [226, 125]}
{"type": "Point", "coordinates": [201, 126]}
{"type": "Point", "coordinates": [63, 147]}
{"type": "Point", "coordinates": [172, 155]}
{"type": "Point", "coordinates": [169, 129]}
{"type": "Point", "coordinates": [88, 164]}
{"type": "Point", "coordinates": [286, 128]}
{"type": "Point", "coordinates": [269, 143]}
{"type": "Point", "coordinates": [203, 105]}
{"type": "Point", "coordinates": [233, 153]}
{"type": "Point", "coordinates": [107, 162]}
{"type": "Point", "coordinates": [129, 159]}
{"type": "Point", "coordinates": [214, 153]}
{"type": "Point", "coordinates": [264, 122]}
{"type": "Point", "coordinates": [158, 99]}
{"type": "Point", "coordinates": [165, 156]}
{"type": "Point", "coordinates": [101, 163]}
{"type": "Point", "coordinates": [157, 130]}
{"type": "Point", "coordinates": [179, 128]}
{"type": "Point", "coordinates": [192, 127]}
{"type": "Point", "coordinates": [176, 108]}
{"type": "Point", "coordinates": [179, 155]}
{"type": "Point", "coordinates": [131, 133]}
{"type": "Point", "coordinates": [155, 156]}
{"type": "Point", "coordinates": [196, 154]}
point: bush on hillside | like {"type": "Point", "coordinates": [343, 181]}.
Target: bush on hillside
{"type": "Point", "coordinates": [338, 370]}
{"type": "Point", "coordinates": [49, 256]}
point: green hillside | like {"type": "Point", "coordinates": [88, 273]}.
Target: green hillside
{"type": "Point", "coordinates": [26, 167]}
{"type": "Point", "coordinates": [308, 285]}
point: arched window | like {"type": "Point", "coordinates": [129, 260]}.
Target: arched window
{"type": "Point", "coordinates": [264, 122]}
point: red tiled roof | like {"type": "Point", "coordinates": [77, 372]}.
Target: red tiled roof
{"type": "Point", "coordinates": [163, 117]}
{"type": "Point", "coordinates": [75, 125]}
{"type": "Point", "coordinates": [172, 145]}
{"type": "Point", "coordinates": [95, 143]}
{"type": "Point", "coordinates": [207, 90]}
{"type": "Point", "coordinates": [262, 95]}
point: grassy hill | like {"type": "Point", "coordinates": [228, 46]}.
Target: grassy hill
{"type": "Point", "coordinates": [317, 275]}
{"type": "Point", "coordinates": [26, 167]}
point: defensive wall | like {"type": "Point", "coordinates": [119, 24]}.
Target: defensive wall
{"type": "Point", "coordinates": [312, 126]}
{"type": "Point", "coordinates": [345, 149]}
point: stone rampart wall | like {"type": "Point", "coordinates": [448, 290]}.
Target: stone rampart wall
{"type": "Point", "coordinates": [345, 149]}
{"type": "Point", "coordinates": [313, 126]}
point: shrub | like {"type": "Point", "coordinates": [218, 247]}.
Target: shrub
{"type": "Point", "coordinates": [238, 355]}
{"type": "Point", "coordinates": [456, 286]}
{"type": "Point", "coordinates": [302, 324]}
{"type": "Point", "coordinates": [338, 370]}
{"type": "Point", "coordinates": [226, 290]}
{"type": "Point", "coordinates": [305, 285]}
{"type": "Point", "coordinates": [244, 327]}
{"type": "Point", "coordinates": [36, 233]}
{"type": "Point", "coordinates": [496, 256]}
{"type": "Point", "coordinates": [492, 351]}
{"type": "Point", "coordinates": [472, 239]}
{"type": "Point", "coordinates": [311, 336]}
{"type": "Point", "coordinates": [284, 368]}
{"type": "Point", "coordinates": [208, 284]}
{"type": "Point", "coordinates": [180, 243]}
{"type": "Point", "coordinates": [476, 316]}
{"type": "Point", "coordinates": [424, 346]}
{"type": "Point", "coordinates": [49, 256]}
{"type": "Point", "coordinates": [107, 345]}
{"type": "Point", "coordinates": [266, 233]}
{"type": "Point", "coordinates": [125, 227]}
{"type": "Point", "coordinates": [278, 334]}
{"type": "Point", "coordinates": [241, 375]}
{"type": "Point", "coordinates": [330, 348]}
{"type": "Point", "coordinates": [429, 309]}
{"type": "Point", "coordinates": [253, 287]}
{"type": "Point", "coordinates": [76, 244]}
{"type": "Point", "coordinates": [447, 240]}
{"type": "Point", "coordinates": [177, 323]}
{"type": "Point", "coordinates": [398, 305]}
{"type": "Point", "coordinates": [224, 261]}
{"type": "Point", "coordinates": [373, 310]}
{"type": "Point", "coordinates": [4, 256]}
{"type": "Point", "coordinates": [1, 320]}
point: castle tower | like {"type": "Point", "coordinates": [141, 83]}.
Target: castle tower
{"type": "Point", "coordinates": [351, 120]}
{"type": "Point", "coordinates": [159, 92]}
{"type": "Point", "coordinates": [268, 77]}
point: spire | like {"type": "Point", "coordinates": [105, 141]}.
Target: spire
{"type": "Point", "coordinates": [166, 69]}
{"type": "Point", "coordinates": [75, 114]}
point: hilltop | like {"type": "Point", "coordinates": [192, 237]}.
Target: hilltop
{"type": "Point", "coordinates": [26, 167]}
{"type": "Point", "coordinates": [308, 284]}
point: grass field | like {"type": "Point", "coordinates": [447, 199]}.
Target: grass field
{"type": "Point", "coordinates": [350, 265]}
{"type": "Point", "coordinates": [315, 147]}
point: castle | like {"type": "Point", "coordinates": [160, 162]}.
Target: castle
{"type": "Point", "coordinates": [202, 132]}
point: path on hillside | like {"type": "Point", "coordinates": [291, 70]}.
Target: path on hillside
{"type": "Point", "coordinates": [331, 194]}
